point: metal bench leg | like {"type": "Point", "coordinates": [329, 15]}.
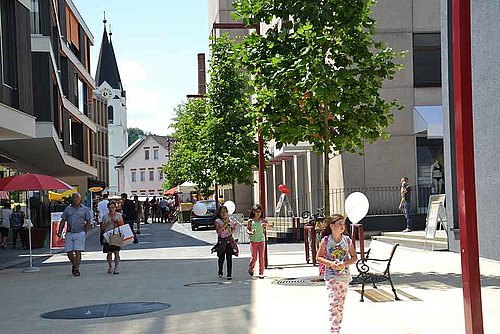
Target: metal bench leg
{"type": "Point", "coordinates": [362, 291]}
{"type": "Point", "coordinates": [393, 289]}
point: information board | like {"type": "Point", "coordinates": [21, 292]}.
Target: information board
{"type": "Point", "coordinates": [436, 216]}
{"type": "Point", "coordinates": [55, 241]}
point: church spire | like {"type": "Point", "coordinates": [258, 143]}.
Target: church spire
{"type": "Point", "coordinates": [107, 67]}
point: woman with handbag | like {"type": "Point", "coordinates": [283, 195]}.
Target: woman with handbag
{"type": "Point", "coordinates": [109, 222]}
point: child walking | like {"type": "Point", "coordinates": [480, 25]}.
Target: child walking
{"type": "Point", "coordinates": [255, 228]}
{"type": "Point", "coordinates": [336, 252]}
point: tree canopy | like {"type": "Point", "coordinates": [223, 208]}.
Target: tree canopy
{"type": "Point", "coordinates": [317, 74]}
{"type": "Point", "coordinates": [215, 138]}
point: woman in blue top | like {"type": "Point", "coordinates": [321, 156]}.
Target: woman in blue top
{"type": "Point", "coordinates": [336, 252]}
{"type": "Point", "coordinates": [255, 228]}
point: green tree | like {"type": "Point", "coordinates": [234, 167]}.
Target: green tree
{"type": "Point", "coordinates": [188, 160]}
{"type": "Point", "coordinates": [134, 134]}
{"type": "Point", "coordinates": [317, 74]}
{"type": "Point", "coordinates": [231, 141]}
{"type": "Point", "coordinates": [215, 137]}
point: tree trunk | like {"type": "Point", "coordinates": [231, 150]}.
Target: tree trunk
{"type": "Point", "coordinates": [326, 171]}
{"type": "Point", "coordinates": [233, 192]}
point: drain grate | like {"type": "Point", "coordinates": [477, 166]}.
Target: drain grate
{"type": "Point", "coordinates": [301, 281]}
{"type": "Point", "coordinates": [203, 284]}
{"type": "Point", "coordinates": [106, 310]}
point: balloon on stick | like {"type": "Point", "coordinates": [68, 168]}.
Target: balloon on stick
{"type": "Point", "coordinates": [281, 188]}
{"type": "Point", "coordinates": [199, 209]}
{"type": "Point", "coordinates": [231, 207]}
{"type": "Point", "coordinates": [356, 207]}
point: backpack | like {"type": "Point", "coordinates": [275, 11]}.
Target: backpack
{"type": "Point", "coordinates": [17, 220]}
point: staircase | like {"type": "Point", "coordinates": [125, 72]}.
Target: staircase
{"type": "Point", "coordinates": [414, 239]}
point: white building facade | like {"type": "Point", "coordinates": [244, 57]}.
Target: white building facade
{"type": "Point", "coordinates": [140, 168]}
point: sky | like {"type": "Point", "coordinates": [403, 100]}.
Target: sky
{"type": "Point", "coordinates": [156, 43]}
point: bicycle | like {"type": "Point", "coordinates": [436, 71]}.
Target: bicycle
{"type": "Point", "coordinates": [315, 220]}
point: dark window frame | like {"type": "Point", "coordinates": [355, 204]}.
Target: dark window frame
{"type": "Point", "coordinates": [8, 51]}
{"type": "Point", "coordinates": [423, 54]}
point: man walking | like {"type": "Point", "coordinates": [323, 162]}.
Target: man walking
{"type": "Point", "coordinates": [405, 204]}
{"type": "Point", "coordinates": [78, 218]}
{"type": "Point", "coordinates": [129, 214]}
{"type": "Point", "coordinates": [102, 208]}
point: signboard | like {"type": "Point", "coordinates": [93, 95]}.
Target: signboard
{"type": "Point", "coordinates": [436, 214]}
{"type": "Point", "coordinates": [55, 241]}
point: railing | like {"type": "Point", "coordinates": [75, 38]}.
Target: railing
{"type": "Point", "coordinates": [383, 200]}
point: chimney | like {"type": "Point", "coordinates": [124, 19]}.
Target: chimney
{"type": "Point", "coordinates": [202, 79]}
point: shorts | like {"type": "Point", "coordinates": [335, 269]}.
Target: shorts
{"type": "Point", "coordinates": [4, 231]}
{"type": "Point", "coordinates": [74, 241]}
{"type": "Point", "coordinates": [107, 248]}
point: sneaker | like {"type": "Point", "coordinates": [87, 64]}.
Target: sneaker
{"type": "Point", "coordinates": [261, 276]}
{"type": "Point", "coordinates": [229, 278]}
{"type": "Point", "coordinates": [406, 230]}
{"type": "Point", "coordinates": [76, 273]}
{"type": "Point", "coordinates": [250, 273]}
{"type": "Point", "coordinates": [220, 275]}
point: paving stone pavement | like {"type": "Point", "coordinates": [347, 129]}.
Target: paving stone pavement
{"type": "Point", "coordinates": [174, 265]}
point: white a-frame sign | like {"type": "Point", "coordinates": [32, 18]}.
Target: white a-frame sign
{"type": "Point", "coordinates": [436, 217]}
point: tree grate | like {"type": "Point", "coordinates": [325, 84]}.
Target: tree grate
{"type": "Point", "coordinates": [301, 281]}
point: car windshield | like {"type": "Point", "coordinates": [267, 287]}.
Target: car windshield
{"type": "Point", "coordinates": [210, 205]}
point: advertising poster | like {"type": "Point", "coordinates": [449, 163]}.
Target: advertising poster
{"type": "Point", "coordinates": [55, 241]}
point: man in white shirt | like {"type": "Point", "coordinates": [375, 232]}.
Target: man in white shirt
{"type": "Point", "coordinates": [102, 207]}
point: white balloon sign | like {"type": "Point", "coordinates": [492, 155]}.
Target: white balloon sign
{"type": "Point", "coordinates": [231, 207]}
{"type": "Point", "coordinates": [199, 209]}
{"type": "Point", "coordinates": [356, 207]}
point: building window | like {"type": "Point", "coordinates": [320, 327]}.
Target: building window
{"type": "Point", "coordinates": [81, 96]}
{"type": "Point", "coordinates": [110, 115]}
{"type": "Point", "coordinates": [151, 175]}
{"type": "Point", "coordinates": [143, 175]}
{"type": "Point", "coordinates": [146, 154]}
{"type": "Point", "coordinates": [8, 44]}
{"type": "Point", "coordinates": [134, 176]}
{"type": "Point", "coordinates": [427, 60]}
{"type": "Point", "coordinates": [35, 17]}
{"type": "Point", "coordinates": [155, 154]}
{"type": "Point", "coordinates": [160, 174]}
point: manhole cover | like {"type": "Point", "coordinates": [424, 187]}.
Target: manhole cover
{"type": "Point", "coordinates": [106, 310]}
{"type": "Point", "coordinates": [203, 284]}
{"type": "Point", "coordinates": [301, 281]}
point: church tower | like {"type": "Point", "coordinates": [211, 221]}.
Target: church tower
{"type": "Point", "coordinates": [109, 86]}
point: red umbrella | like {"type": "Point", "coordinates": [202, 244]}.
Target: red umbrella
{"type": "Point", "coordinates": [25, 182]}
{"type": "Point", "coordinates": [171, 191]}
{"type": "Point", "coordinates": [28, 182]}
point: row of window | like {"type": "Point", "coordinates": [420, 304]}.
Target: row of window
{"type": "Point", "coordinates": [156, 154]}
{"type": "Point", "coordinates": [145, 193]}
{"type": "Point", "coordinates": [142, 175]}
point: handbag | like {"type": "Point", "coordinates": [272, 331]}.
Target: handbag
{"type": "Point", "coordinates": [116, 240]}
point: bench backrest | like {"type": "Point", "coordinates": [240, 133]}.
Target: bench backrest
{"type": "Point", "coordinates": [380, 253]}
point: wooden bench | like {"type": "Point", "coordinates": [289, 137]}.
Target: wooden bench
{"type": "Point", "coordinates": [375, 270]}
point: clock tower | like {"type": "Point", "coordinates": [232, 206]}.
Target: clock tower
{"type": "Point", "coordinates": [109, 86]}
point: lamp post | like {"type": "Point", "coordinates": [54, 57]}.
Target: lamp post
{"type": "Point", "coordinates": [466, 180]}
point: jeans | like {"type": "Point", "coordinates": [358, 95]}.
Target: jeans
{"type": "Point", "coordinates": [131, 223]}
{"type": "Point", "coordinates": [407, 213]}
{"type": "Point", "coordinates": [257, 249]}
{"type": "Point", "coordinates": [228, 254]}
